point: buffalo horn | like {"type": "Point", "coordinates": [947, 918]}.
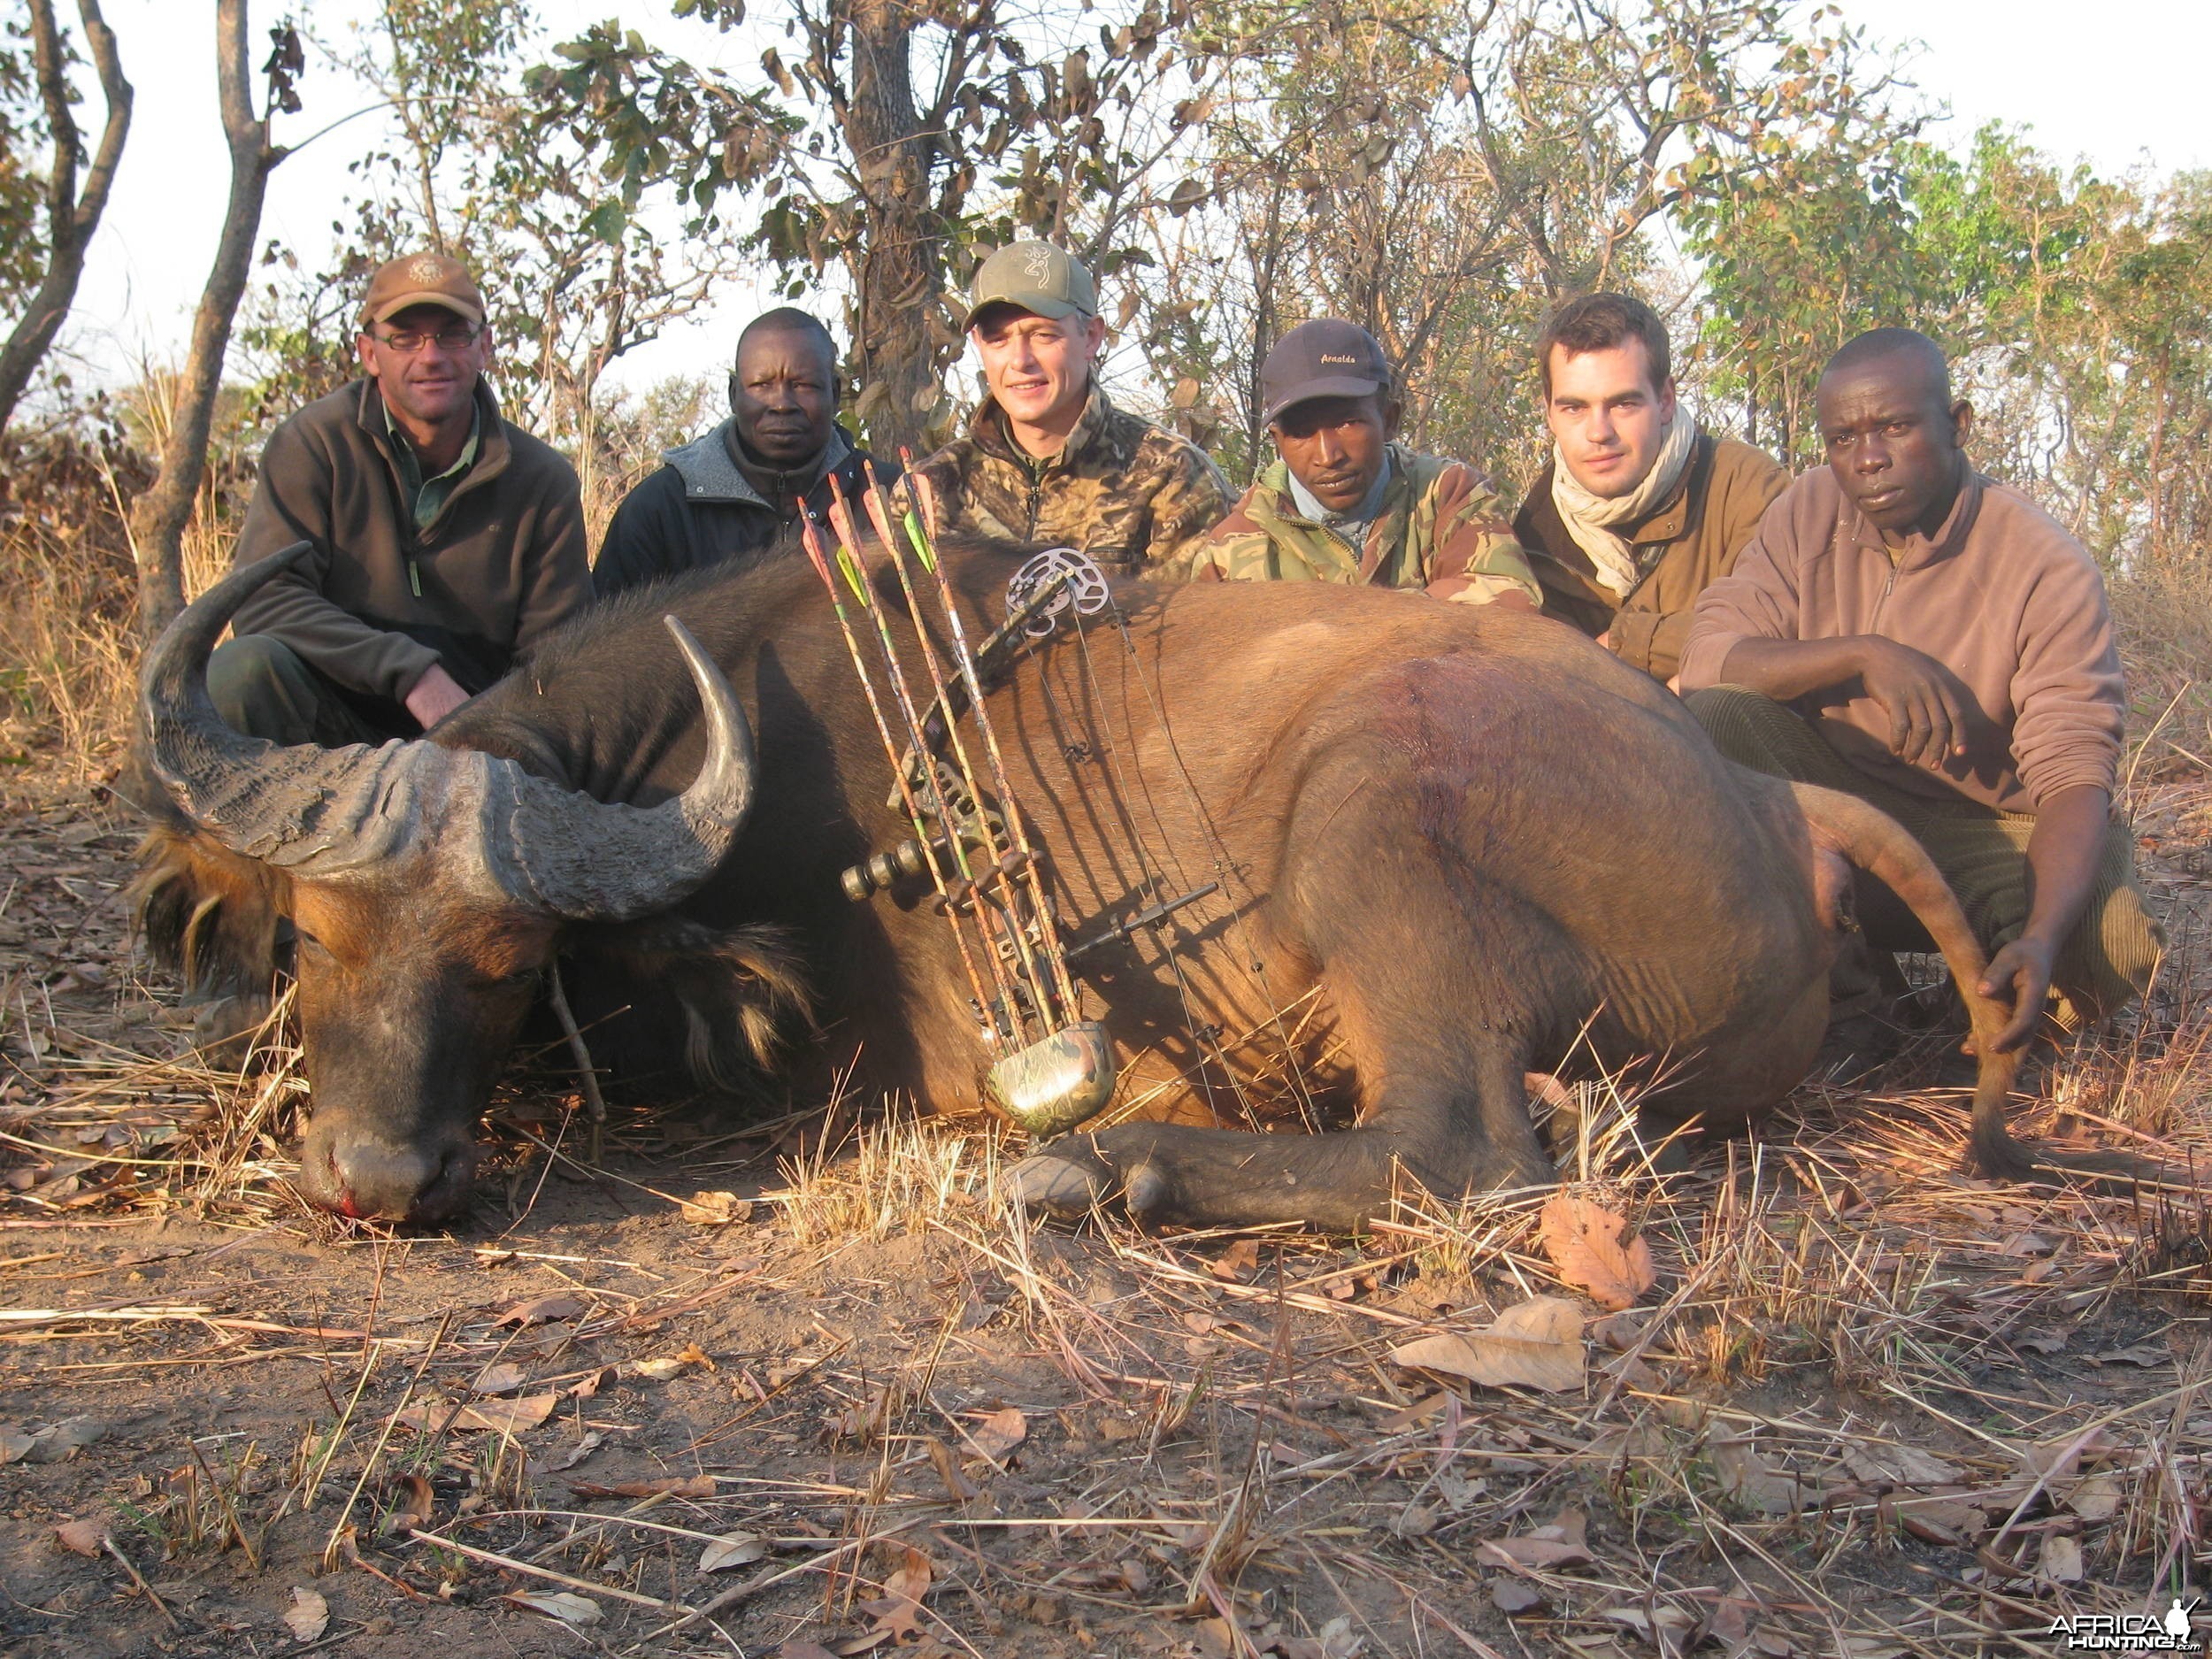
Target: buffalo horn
{"type": "Point", "coordinates": [258, 799]}
{"type": "Point", "coordinates": [590, 861]}
{"type": "Point", "coordinates": [325, 811]}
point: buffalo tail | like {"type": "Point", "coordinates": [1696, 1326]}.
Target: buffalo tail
{"type": "Point", "coordinates": [1876, 843]}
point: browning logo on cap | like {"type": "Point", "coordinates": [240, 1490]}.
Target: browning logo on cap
{"type": "Point", "coordinates": [1034, 276]}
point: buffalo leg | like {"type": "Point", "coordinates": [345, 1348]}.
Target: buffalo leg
{"type": "Point", "coordinates": [1434, 976]}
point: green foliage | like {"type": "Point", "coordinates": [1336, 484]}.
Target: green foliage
{"type": "Point", "coordinates": [22, 168]}
{"type": "Point", "coordinates": [552, 180]}
{"type": "Point", "coordinates": [2077, 312]}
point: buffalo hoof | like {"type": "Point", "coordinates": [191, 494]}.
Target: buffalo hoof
{"type": "Point", "coordinates": [1066, 1183]}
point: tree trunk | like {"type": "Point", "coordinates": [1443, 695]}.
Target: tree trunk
{"type": "Point", "coordinates": [158, 520]}
{"type": "Point", "coordinates": [74, 218]}
{"type": "Point", "coordinates": [899, 269]}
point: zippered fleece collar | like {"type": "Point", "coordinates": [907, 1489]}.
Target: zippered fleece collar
{"type": "Point", "coordinates": [710, 471]}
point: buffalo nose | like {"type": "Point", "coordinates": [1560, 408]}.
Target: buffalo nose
{"type": "Point", "coordinates": [375, 1179]}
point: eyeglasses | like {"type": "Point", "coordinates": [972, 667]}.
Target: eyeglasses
{"type": "Point", "coordinates": [407, 341]}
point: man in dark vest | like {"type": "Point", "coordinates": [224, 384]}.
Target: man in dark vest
{"type": "Point", "coordinates": [739, 489]}
{"type": "Point", "coordinates": [444, 539]}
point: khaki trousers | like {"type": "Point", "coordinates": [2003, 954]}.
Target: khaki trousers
{"type": "Point", "coordinates": [2104, 962]}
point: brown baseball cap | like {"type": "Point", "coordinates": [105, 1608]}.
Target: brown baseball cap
{"type": "Point", "coordinates": [1036, 277]}
{"type": "Point", "coordinates": [422, 279]}
{"type": "Point", "coordinates": [1327, 357]}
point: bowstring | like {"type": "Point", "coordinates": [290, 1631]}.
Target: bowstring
{"type": "Point", "coordinates": [1157, 889]}
{"type": "Point", "coordinates": [1225, 866]}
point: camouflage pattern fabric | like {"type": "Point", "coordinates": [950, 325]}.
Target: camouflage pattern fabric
{"type": "Point", "coordinates": [1441, 528]}
{"type": "Point", "coordinates": [1131, 494]}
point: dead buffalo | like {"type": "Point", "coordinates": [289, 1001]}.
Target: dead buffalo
{"type": "Point", "coordinates": [1448, 847]}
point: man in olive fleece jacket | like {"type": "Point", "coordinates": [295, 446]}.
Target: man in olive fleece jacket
{"type": "Point", "coordinates": [1907, 631]}
{"type": "Point", "coordinates": [446, 539]}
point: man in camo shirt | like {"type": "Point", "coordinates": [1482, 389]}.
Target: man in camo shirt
{"type": "Point", "coordinates": [1345, 503]}
{"type": "Point", "coordinates": [1047, 458]}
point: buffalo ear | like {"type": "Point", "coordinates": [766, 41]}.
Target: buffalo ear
{"type": "Point", "coordinates": [737, 992]}
{"type": "Point", "coordinates": [207, 914]}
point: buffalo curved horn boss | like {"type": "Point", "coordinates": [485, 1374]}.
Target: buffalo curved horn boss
{"type": "Point", "coordinates": [517, 837]}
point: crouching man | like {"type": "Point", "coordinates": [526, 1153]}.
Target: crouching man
{"type": "Point", "coordinates": [1046, 456]}
{"type": "Point", "coordinates": [1344, 502]}
{"type": "Point", "coordinates": [1638, 510]}
{"type": "Point", "coordinates": [444, 539]}
{"type": "Point", "coordinates": [1913, 634]}
{"type": "Point", "coordinates": [742, 489]}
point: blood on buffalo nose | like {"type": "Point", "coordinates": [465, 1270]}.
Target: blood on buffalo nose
{"type": "Point", "coordinates": [368, 1178]}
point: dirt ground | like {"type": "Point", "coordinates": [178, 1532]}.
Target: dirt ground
{"type": "Point", "coordinates": [750, 1389]}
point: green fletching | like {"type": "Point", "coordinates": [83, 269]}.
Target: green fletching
{"type": "Point", "coordinates": [927, 554]}
{"type": "Point", "coordinates": [852, 576]}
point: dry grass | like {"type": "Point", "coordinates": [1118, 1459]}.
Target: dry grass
{"type": "Point", "coordinates": [1869, 1407]}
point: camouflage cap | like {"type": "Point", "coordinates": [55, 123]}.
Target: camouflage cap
{"type": "Point", "coordinates": [422, 279]}
{"type": "Point", "coordinates": [1327, 357]}
{"type": "Point", "coordinates": [1035, 276]}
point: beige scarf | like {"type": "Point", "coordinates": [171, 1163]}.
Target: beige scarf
{"type": "Point", "coordinates": [1590, 519]}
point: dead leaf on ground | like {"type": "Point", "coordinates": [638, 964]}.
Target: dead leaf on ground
{"type": "Point", "coordinates": [2095, 1499]}
{"type": "Point", "coordinates": [958, 1487]}
{"type": "Point", "coordinates": [504, 1417]}
{"type": "Point", "coordinates": [1237, 1262]}
{"type": "Point", "coordinates": [672, 1364]}
{"type": "Point", "coordinates": [566, 1605]}
{"type": "Point", "coordinates": [803, 1650]}
{"type": "Point", "coordinates": [674, 1485]}
{"type": "Point", "coordinates": [1621, 1331]}
{"type": "Point", "coordinates": [502, 1379]}
{"type": "Point", "coordinates": [1535, 1344]}
{"type": "Point", "coordinates": [1564, 1543]}
{"type": "Point", "coordinates": [568, 1456]}
{"type": "Point", "coordinates": [2059, 1458]}
{"type": "Point", "coordinates": [898, 1612]}
{"type": "Point", "coordinates": [86, 1538]}
{"type": "Point", "coordinates": [414, 1506]}
{"type": "Point", "coordinates": [1533, 1550]}
{"type": "Point", "coordinates": [999, 1433]}
{"type": "Point", "coordinates": [1747, 1477]}
{"type": "Point", "coordinates": [1512, 1596]}
{"type": "Point", "coordinates": [308, 1616]}
{"type": "Point", "coordinates": [733, 1549]}
{"type": "Point", "coordinates": [2145, 1353]}
{"type": "Point", "coordinates": [2061, 1560]}
{"type": "Point", "coordinates": [55, 1443]}
{"type": "Point", "coordinates": [1590, 1246]}
{"type": "Point", "coordinates": [714, 1209]}
{"type": "Point", "coordinates": [541, 1310]}
{"type": "Point", "coordinates": [1900, 1466]}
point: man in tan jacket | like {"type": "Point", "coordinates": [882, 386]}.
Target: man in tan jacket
{"type": "Point", "coordinates": [1638, 510]}
{"type": "Point", "coordinates": [1911, 633]}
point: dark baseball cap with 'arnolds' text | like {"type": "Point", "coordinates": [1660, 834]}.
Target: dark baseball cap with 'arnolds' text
{"type": "Point", "coordinates": [1327, 357]}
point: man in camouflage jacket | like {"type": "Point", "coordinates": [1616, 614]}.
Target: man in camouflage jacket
{"type": "Point", "coordinates": [1345, 504]}
{"type": "Point", "coordinates": [1047, 458]}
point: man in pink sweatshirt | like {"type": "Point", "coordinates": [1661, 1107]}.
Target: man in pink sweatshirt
{"type": "Point", "coordinates": [1926, 639]}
